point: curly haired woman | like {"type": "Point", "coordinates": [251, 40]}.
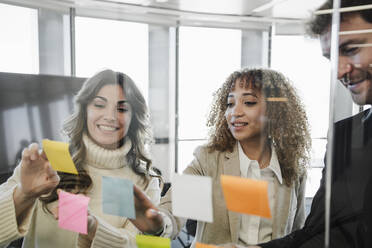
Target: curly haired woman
{"type": "Point", "coordinates": [259, 130]}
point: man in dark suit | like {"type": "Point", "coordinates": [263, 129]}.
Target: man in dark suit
{"type": "Point", "coordinates": [351, 195]}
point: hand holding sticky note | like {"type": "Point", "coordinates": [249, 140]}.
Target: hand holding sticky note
{"type": "Point", "coordinates": [144, 241]}
{"type": "Point", "coordinates": [59, 156]}
{"type": "Point", "coordinates": [73, 212]}
{"type": "Point", "coordinates": [117, 197]}
{"type": "Point", "coordinates": [246, 196]}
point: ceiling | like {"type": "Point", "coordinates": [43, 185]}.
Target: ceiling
{"type": "Point", "coordinates": [257, 14]}
{"type": "Point", "coordinates": [298, 9]}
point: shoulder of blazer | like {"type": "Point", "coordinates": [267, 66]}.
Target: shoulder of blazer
{"type": "Point", "coordinates": [204, 152]}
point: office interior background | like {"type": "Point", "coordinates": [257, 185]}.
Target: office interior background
{"type": "Point", "coordinates": [177, 51]}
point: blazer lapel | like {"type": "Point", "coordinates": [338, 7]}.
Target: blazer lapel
{"type": "Point", "coordinates": [281, 209]}
{"type": "Point", "coordinates": [232, 168]}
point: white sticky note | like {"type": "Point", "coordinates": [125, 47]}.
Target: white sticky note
{"type": "Point", "coordinates": [192, 197]}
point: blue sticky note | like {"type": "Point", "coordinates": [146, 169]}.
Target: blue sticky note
{"type": "Point", "coordinates": [117, 197]}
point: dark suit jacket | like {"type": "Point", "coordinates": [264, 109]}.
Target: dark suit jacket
{"type": "Point", "coordinates": [351, 195]}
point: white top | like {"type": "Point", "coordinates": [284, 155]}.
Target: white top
{"type": "Point", "coordinates": [255, 229]}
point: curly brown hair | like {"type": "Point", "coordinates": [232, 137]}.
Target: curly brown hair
{"type": "Point", "coordinates": [287, 127]}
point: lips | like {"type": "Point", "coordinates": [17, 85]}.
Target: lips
{"type": "Point", "coordinates": [237, 126]}
{"type": "Point", "coordinates": [107, 128]}
{"type": "Point", "coordinates": [354, 86]}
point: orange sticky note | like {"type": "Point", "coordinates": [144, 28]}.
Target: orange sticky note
{"type": "Point", "coordinates": [201, 245]}
{"type": "Point", "coordinates": [246, 196]}
{"type": "Point", "coordinates": [59, 156]}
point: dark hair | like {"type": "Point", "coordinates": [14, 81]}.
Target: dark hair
{"type": "Point", "coordinates": [319, 24]}
{"type": "Point", "coordinates": [287, 127]}
{"type": "Point", "coordinates": [75, 126]}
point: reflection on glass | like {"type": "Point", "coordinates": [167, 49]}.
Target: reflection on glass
{"type": "Point", "coordinates": [32, 108]}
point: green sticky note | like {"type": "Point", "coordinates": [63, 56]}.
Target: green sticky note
{"type": "Point", "coordinates": [145, 241]}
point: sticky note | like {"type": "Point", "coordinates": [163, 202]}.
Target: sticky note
{"type": "Point", "coordinates": [73, 212]}
{"type": "Point", "coordinates": [192, 197]}
{"type": "Point", "coordinates": [246, 196]}
{"type": "Point", "coordinates": [277, 99]}
{"type": "Point", "coordinates": [59, 156]}
{"type": "Point", "coordinates": [145, 241]}
{"type": "Point", "coordinates": [201, 245]}
{"type": "Point", "coordinates": [117, 197]}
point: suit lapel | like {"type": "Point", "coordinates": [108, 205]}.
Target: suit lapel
{"type": "Point", "coordinates": [232, 168]}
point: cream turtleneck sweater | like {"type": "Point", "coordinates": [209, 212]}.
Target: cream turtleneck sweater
{"type": "Point", "coordinates": [40, 229]}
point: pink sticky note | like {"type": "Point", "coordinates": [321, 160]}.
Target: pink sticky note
{"type": "Point", "coordinates": [73, 212]}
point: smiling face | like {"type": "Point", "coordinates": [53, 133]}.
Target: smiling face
{"type": "Point", "coordinates": [355, 57]}
{"type": "Point", "coordinates": [109, 116]}
{"type": "Point", "coordinates": [245, 113]}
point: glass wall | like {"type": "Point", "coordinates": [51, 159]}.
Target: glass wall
{"type": "Point", "coordinates": [202, 70]}
{"type": "Point", "coordinates": [19, 42]}
{"type": "Point", "coordinates": [118, 45]}
{"type": "Point", "coordinates": [178, 57]}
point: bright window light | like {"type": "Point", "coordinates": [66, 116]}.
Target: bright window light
{"type": "Point", "coordinates": [19, 39]}
{"type": "Point", "coordinates": [117, 45]}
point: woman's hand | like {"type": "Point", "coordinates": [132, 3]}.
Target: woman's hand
{"type": "Point", "coordinates": [37, 178]}
{"type": "Point", "coordinates": [148, 219]}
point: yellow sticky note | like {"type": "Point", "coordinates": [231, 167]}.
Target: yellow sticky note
{"type": "Point", "coordinates": [201, 245]}
{"type": "Point", "coordinates": [246, 196]}
{"type": "Point", "coordinates": [59, 156]}
{"type": "Point", "coordinates": [145, 241]}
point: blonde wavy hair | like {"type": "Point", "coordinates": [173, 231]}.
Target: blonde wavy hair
{"type": "Point", "coordinates": [287, 126]}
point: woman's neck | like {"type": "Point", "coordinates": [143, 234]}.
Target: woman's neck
{"type": "Point", "coordinates": [258, 150]}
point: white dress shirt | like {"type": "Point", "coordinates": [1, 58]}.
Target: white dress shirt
{"type": "Point", "coordinates": [255, 229]}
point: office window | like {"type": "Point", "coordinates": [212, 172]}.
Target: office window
{"type": "Point", "coordinates": [206, 57]}
{"type": "Point", "coordinates": [19, 39]}
{"type": "Point", "coordinates": [117, 45]}
{"type": "Point", "coordinates": [300, 59]}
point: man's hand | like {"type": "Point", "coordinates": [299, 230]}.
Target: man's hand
{"type": "Point", "coordinates": [148, 219]}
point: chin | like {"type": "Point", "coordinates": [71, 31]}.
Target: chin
{"type": "Point", "coordinates": [360, 100]}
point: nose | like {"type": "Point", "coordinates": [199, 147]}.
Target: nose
{"type": "Point", "coordinates": [237, 110]}
{"type": "Point", "coordinates": [110, 114]}
{"type": "Point", "coordinates": [344, 67]}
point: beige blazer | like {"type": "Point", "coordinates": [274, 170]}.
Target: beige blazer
{"type": "Point", "coordinates": [289, 203]}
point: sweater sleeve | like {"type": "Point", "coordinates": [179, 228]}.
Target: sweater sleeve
{"type": "Point", "coordinates": [9, 229]}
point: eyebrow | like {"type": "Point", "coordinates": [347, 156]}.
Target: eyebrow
{"type": "Point", "coordinates": [245, 94]}
{"type": "Point", "coordinates": [104, 99]}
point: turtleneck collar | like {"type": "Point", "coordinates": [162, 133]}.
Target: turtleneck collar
{"type": "Point", "coordinates": [102, 158]}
